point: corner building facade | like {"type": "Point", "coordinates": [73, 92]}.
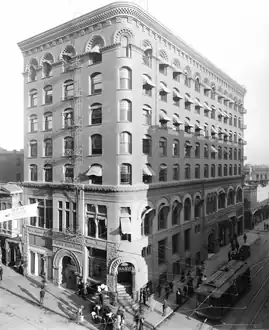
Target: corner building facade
{"type": "Point", "coordinates": [135, 150]}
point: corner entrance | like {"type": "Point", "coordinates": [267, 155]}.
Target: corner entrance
{"type": "Point", "coordinates": [125, 276]}
{"type": "Point", "coordinates": [69, 280]}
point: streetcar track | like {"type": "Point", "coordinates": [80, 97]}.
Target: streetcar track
{"type": "Point", "coordinates": [258, 311]}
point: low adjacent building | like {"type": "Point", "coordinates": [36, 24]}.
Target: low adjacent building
{"type": "Point", "coordinates": [11, 165]}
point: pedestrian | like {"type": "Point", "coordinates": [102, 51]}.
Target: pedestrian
{"type": "Point", "coordinates": [185, 290]}
{"type": "Point", "coordinates": [182, 276]}
{"type": "Point", "coordinates": [245, 238]}
{"type": "Point", "coordinates": [178, 297]}
{"type": "Point", "coordinates": [142, 321]}
{"type": "Point", "coordinates": [171, 287]}
{"type": "Point", "coordinates": [167, 292]}
{"type": "Point", "coordinates": [164, 307]}
{"type": "Point", "coordinates": [1, 273]}
{"type": "Point", "coordinates": [144, 297]}
{"type": "Point", "coordinates": [79, 314]}
{"type": "Point", "coordinates": [137, 318]}
{"type": "Point", "coordinates": [42, 296]}
{"type": "Point", "coordinates": [141, 296]}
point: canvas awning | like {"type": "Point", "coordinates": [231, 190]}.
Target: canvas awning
{"type": "Point", "coordinates": [147, 81]}
{"type": "Point", "coordinates": [176, 69]}
{"type": "Point", "coordinates": [220, 113]}
{"type": "Point", "coordinates": [213, 149]}
{"type": "Point", "coordinates": [206, 87]}
{"type": "Point", "coordinates": [213, 130]}
{"type": "Point", "coordinates": [95, 170]}
{"type": "Point", "coordinates": [187, 123]}
{"type": "Point", "coordinates": [126, 227]}
{"type": "Point", "coordinates": [163, 88]}
{"type": "Point", "coordinates": [197, 102]}
{"type": "Point", "coordinates": [163, 117]}
{"type": "Point", "coordinates": [147, 170]}
{"type": "Point", "coordinates": [176, 95]}
{"type": "Point", "coordinates": [176, 121]}
{"type": "Point", "coordinates": [95, 49]}
{"type": "Point", "coordinates": [163, 62]}
{"type": "Point", "coordinates": [207, 108]}
{"type": "Point", "coordinates": [188, 99]}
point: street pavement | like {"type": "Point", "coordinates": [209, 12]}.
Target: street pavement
{"type": "Point", "coordinates": [17, 315]}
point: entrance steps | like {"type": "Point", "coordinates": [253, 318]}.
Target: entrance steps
{"type": "Point", "coordinates": [126, 301]}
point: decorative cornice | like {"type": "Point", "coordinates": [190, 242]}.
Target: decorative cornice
{"type": "Point", "coordinates": [119, 189]}
{"type": "Point", "coordinates": [84, 25]}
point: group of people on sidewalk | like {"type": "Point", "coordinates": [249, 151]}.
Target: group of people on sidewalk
{"type": "Point", "coordinates": [235, 246]}
{"type": "Point", "coordinates": [103, 314]}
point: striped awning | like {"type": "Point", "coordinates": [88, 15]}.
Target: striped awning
{"type": "Point", "coordinates": [176, 69]}
{"type": "Point", "coordinates": [213, 149]}
{"type": "Point", "coordinates": [207, 108]}
{"type": "Point", "coordinates": [163, 117]}
{"type": "Point", "coordinates": [147, 170]}
{"type": "Point", "coordinates": [188, 99]}
{"type": "Point", "coordinates": [147, 81]}
{"type": "Point", "coordinates": [163, 88]}
{"type": "Point", "coordinates": [176, 95]}
{"type": "Point", "coordinates": [176, 120]}
{"type": "Point", "coordinates": [197, 102]}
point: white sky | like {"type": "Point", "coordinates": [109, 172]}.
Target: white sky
{"type": "Point", "coordinates": [233, 34]}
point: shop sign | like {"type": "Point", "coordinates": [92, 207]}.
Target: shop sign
{"type": "Point", "coordinates": [19, 212]}
{"type": "Point", "coordinates": [125, 268]}
{"type": "Point", "coordinates": [67, 245]}
{"type": "Point", "coordinates": [94, 243]}
{"type": "Point", "coordinates": [38, 231]}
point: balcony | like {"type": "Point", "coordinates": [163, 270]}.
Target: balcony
{"type": "Point", "coordinates": [244, 126]}
{"type": "Point", "coordinates": [243, 111]}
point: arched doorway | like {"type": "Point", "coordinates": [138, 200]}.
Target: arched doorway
{"type": "Point", "coordinates": [125, 275]}
{"type": "Point", "coordinates": [69, 280]}
{"type": "Point", "coordinates": [211, 242]}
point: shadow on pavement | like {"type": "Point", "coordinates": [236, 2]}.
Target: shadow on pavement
{"type": "Point", "coordinates": [29, 294]}
{"type": "Point", "coordinates": [66, 310]}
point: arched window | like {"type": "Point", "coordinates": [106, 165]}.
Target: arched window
{"type": "Point", "coordinates": [33, 172]}
{"type": "Point", "coordinates": [95, 174]}
{"type": "Point", "coordinates": [239, 154]}
{"type": "Point", "coordinates": [230, 153]}
{"type": "Point", "coordinates": [163, 64]}
{"type": "Point", "coordinates": [33, 124]}
{"type": "Point", "coordinates": [147, 145]}
{"type": "Point", "coordinates": [147, 56]}
{"type": "Point", "coordinates": [125, 78]}
{"type": "Point", "coordinates": [176, 210]}
{"type": "Point", "coordinates": [187, 171]}
{"type": "Point", "coordinates": [176, 122]}
{"type": "Point", "coordinates": [235, 154]}
{"type": "Point", "coordinates": [126, 49]}
{"type": "Point", "coordinates": [94, 49]}
{"type": "Point", "coordinates": [176, 97]}
{"type": "Point", "coordinates": [162, 216]}
{"type": "Point", "coordinates": [239, 195]}
{"type": "Point", "coordinates": [235, 137]}
{"type": "Point", "coordinates": [197, 171]}
{"type": "Point", "coordinates": [230, 169]}
{"type": "Point", "coordinates": [96, 144]}
{"type": "Point", "coordinates": [163, 146]}
{"type": "Point", "coordinates": [197, 84]}
{"type": "Point", "coordinates": [33, 149]}
{"type": "Point", "coordinates": [225, 172]}
{"type": "Point", "coordinates": [48, 147]}
{"type": "Point", "coordinates": [230, 197]}
{"type": "Point", "coordinates": [235, 121]}
{"type": "Point", "coordinates": [235, 169]}
{"type": "Point", "coordinates": [47, 124]}
{"type": "Point", "coordinates": [225, 153]}
{"type": "Point", "coordinates": [69, 173]}
{"type": "Point", "coordinates": [147, 173]}
{"type": "Point", "coordinates": [68, 89]}
{"type": "Point", "coordinates": [163, 92]}
{"type": "Point", "coordinates": [206, 151]}
{"type": "Point", "coordinates": [125, 143]}
{"type": "Point", "coordinates": [175, 172]}
{"type": "Point", "coordinates": [206, 171]}
{"type": "Point", "coordinates": [186, 79]}
{"type": "Point", "coordinates": [213, 171]}
{"type": "Point", "coordinates": [163, 173]}
{"type": "Point", "coordinates": [239, 170]}
{"type": "Point", "coordinates": [31, 69]}
{"type": "Point", "coordinates": [48, 94]}
{"type": "Point", "coordinates": [33, 98]}
{"type": "Point", "coordinates": [48, 173]}
{"type": "Point", "coordinates": [175, 150]}
{"type": "Point", "coordinates": [188, 102]}
{"type": "Point", "coordinates": [221, 200]}
{"type": "Point", "coordinates": [46, 63]}
{"type": "Point", "coordinates": [146, 113]}
{"type": "Point", "coordinates": [96, 83]}
{"type": "Point", "coordinates": [147, 85]}
{"type": "Point", "coordinates": [68, 117]}
{"type": "Point", "coordinates": [219, 152]}
{"type": "Point", "coordinates": [68, 146]}
{"type": "Point", "coordinates": [176, 70]}
{"type": "Point", "coordinates": [96, 114]}
{"type": "Point", "coordinates": [187, 149]}
{"type": "Point", "coordinates": [187, 209]}
{"type": "Point", "coordinates": [125, 110]}
{"type": "Point", "coordinates": [215, 202]}
{"type": "Point", "coordinates": [219, 170]}
{"type": "Point", "coordinates": [147, 217]}
{"type": "Point", "coordinates": [197, 150]}
{"type": "Point", "coordinates": [197, 207]}
{"type": "Point", "coordinates": [125, 174]}
{"type": "Point", "coordinates": [163, 118]}
{"type": "Point", "coordinates": [67, 54]}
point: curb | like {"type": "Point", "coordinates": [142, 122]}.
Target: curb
{"type": "Point", "coordinates": [32, 302]}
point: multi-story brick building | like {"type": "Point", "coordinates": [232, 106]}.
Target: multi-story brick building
{"type": "Point", "coordinates": [134, 143]}
{"type": "Point", "coordinates": [258, 173]}
{"type": "Point", "coordinates": [11, 165]}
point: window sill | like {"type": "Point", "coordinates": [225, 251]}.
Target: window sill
{"type": "Point", "coordinates": [123, 89]}
{"type": "Point", "coordinates": [47, 131]}
{"type": "Point", "coordinates": [33, 132]}
{"type": "Point", "coordinates": [46, 157]}
{"type": "Point", "coordinates": [93, 64]}
{"type": "Point", "coordinates": [32, 107]}
{"type": "Point", "coordinates": [124, 121]}
{"type": "Point", "coordinates": [95, 155]}
{"type": "Point", "coordinates": [95, 94]}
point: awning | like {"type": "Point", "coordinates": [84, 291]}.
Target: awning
{"type": "Point", "coordinates": [95, 49]}
{"type": "Point", "coordinates": [67, 54]}
{"type": "Point", "coordinates": [147, 48]}
{"type": "Point", "coordinates": [220, 131]}
{"type": "Point", "coordinates": [126, 227]}
{"type": "Point", "coordinates": [188, 144]}
{"type": "Point", "coordinates": [226, 114]}
{"type": "Point", "coordinates": [231, 101]}
{"type": "Point", "coordinates": [225, 133]}
{"type": "Point", "coordinates": [198, 103]}
{"type": "Point", "coordinates": [163, 61]}
{"type": "Point", "coordinates": [220, 113]}
{"type": "Point", "coordinates": [176, 121]}
{"type": "Point", "coordinates": [147, 81]}
{"type": "Point", "coordinates": [213, 149]}
{"type": "Point", "coordinates": [147, 170]}
{"type": "Point", "coordinates": [163, 88]}
{"type": "Point", "coordinates": [221, 96]}
{"type": "Point", "coordinates": [176, 95]}
{"type": "Point", "coordinates": [47, 61]}
{"type": "Point", "coordinates": [176, 69]}
{"type": "Point", "coordinates": [163, 117]}
{"type": "Point", "coordinates": [163, 167]}
{"type": "Point", "coordinates": [95, 170]}
{"type": "Point", "coordinates": [207, 108]}
{"type": "Point", "coordinates": [239, 135]}
{"type": "Point", "coordinates": [146, 107]}
{"type": "Point", "coordinates": [207, 88]}
{"type": "Point", "coordinates": [198, 127]}
{"type": "Point", "coordinates": [188, 99]}
{"type": "Point", "coordinates": [187, 123]}
{"type": "Point", "coordinates": [213, 130]}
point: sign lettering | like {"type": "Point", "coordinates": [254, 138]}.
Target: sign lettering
{"type": "Point", "coordinates": [67, 245]}
{"type": "Point", "coordinates": [95, 243]}
{"type": "Point", "coordinates": [16, 213]}
{"type": "Point", "coordinates": [125, 269]}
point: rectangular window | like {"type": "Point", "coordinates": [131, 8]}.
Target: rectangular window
{"type": "Point", "coordinates": [60, 215]}
{"type": "Point", "coordinates": [49, 214]}
{"type": "Point", "coordinates": [75, 217]}
{"type": "Point", "coordinates": [175, 245]}
{"type": "Point", "coordinates": [176, 268]}
{"type": "Point", "coordinates": [162, 251]}
{"type": "Point", "coordinates": [187, 239]}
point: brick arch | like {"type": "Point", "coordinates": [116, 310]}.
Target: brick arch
{"type": "Point", "coordinates": [187, 196]}
{"type": "Point", "coordinates": [162, 201]}
{"type": "Point", "coordinates": [238, 187]}
{"type": "Point", "coordinates": [175, 199]}
{"type": "Point", "coordinates": [123, 33]}
{"type": "Point", "coordinates": [221, 189]}
{"type": "Point", "coordinates": [197, 194]}
{"type": "Point", "coordinates": [143, 207]}
{"type": "Point", "coordinates": [60, 254]}
{"type": "Point", "coordinates": [113, 267]}
{"type": "Point", "coordinates": [32, 63]}
{"type": "Point", "coordinates": [146, 44]}
{"type": "Point", "coordinates": [96, 39]}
